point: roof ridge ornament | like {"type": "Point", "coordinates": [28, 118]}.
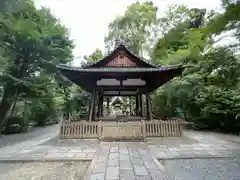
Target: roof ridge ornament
{"type": "Point", "coordinates": [120, 42]}
{"type": "Point", "coordinates": [117, 43]}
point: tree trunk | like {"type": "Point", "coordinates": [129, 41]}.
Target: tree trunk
{"type": "Point", "coordinates": [13, 104]}
{"type": "Point", "coordinates": [4, 108]}
{"type": "Point", "coordinates": [24, 127]}
{"type": "Point", "coordinates": [7, 100]}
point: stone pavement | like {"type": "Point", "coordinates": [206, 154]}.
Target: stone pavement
{"type": "Point", "coordinates": [46, 146]}
{"type": "Point", "coordinates": [124, 161]}
{"type": "Point", "coordinates": [151, 159]}
{"type": "Point", "coordinates": [205, 168]}
{"type": "Point", "coordinates": [193, 145]}
{"type": "Point", "coordinates": [147, 160]}
{"type": "Point", "coordinates": [28, 145]}
{"type": "Point", "coordinates": [40, 152]}
{"type": "Point", "coordinates": [33, 132]}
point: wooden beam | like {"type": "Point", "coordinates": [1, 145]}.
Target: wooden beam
{"type": "Point", "coordinates": [123, 88]}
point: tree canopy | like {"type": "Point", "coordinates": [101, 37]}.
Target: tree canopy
{"type": "Point", "coordinates": [33, 42]}
{"type": "Point", "coordinates": [208, 93]}
{"type": "Point", "coordinates": [95, 56]}
{"type": "Point", "coordinates": [134, 28]}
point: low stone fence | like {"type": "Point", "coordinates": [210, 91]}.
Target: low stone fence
{"type": "Point", "coordinates": [121, 130]}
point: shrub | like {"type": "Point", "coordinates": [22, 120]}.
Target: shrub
{"type": "Point", "coordinates": [43, 111]}
{"type": "Point", "coordinates": [14, 124]}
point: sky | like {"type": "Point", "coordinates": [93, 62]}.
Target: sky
{"type": "Point", "coordinates": [88, 20]}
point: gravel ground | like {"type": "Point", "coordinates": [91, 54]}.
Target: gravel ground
{"type": "Point", "coordinates": [202, 169]}
{"type": "Point", "coordinates": [43, 170]}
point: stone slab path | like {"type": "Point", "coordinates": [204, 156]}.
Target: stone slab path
{"type": "Point", "coordinates": [205, 168]}
{"type": "Point", "coordinates": [124, 161]}
{"type": "Point", "coordinates": [193, 145]}
{"type": "Point", "coordinates": [28, 145]}
{"type": "Point", "coordinates": [144, 160]}
{"type": "Point", "coordinates": [33, 132]}
{"type": "Point", "coordinates": [44, 144]}
{"type": "Point", "coordinates": [149, 160]}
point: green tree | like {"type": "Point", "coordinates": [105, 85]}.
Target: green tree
{"type": "Point", "coordinates": [95, 56]}
{"type": "Point", "coordinates": [207, 93]}
{"type": "Point", "coordinates": [133, 28]}
{"type": "Point", "coordinates": [32, 42]}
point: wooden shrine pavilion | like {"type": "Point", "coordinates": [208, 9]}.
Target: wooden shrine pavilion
{"type": "Point", "coordinates": [117, 102]}
{"type": "Point", "coordinates": [121, 73]}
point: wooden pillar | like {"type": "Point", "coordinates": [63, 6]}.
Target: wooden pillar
{"type": "Point", "coordinates": [141, 104]}
{"type": "Point", "coordinates": [101, 110]}
{"type": "Point", "coordinates": [92, 108]}
{"type": "Point", "coordinates": [95, 106]}
{"type": "Point", "coordinates": [89, 108]}
{"type": "Point", "coordinates": [149, 107]}
{"type": "Point", "coordinates": [99, 104]}
{"type": "Point", "coordinates": [137, 105]}
{"type": "Point", "coordinates": [130, 106]}
{"type": "Point", "coordinates": [108, 109]}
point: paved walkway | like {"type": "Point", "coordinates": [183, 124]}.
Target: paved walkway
{"type": "Point", "coordinates": [149, 160]}
{"type": "Point", "coordinates": [193, 145]}
{"type": "Point", "coordinates": [125, 161]}
{"type": "Point", "coordinates": [144, 160]}
{"type": "Point", "coordinates": [31, 143]}
{"type": "Point", "coordinates": [34, 132]}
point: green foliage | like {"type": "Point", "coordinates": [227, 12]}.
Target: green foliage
{"type": "Point", "coordinates": [95, 56]}
{"type": "Point", "coordinates": [208, 93]}
{"type": "Point", "coordinates": [43, 110]}
{"type": "Point", "coordinates": [133, 28]}
{"type": "Point", "coordinates": [227, 20]}
{"type": "Point", "coordinates": [14, 125]}
{"type": "Point", "coordinates": [32, 43]}
{"type": "Point", "coordinates": [78, 103]}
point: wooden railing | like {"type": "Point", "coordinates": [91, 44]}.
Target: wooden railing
{"type": "Point", "coordinates": [121, 130]}
{"type": "Point", "coordinates": [79, 130]}
{"type": "Point", "coordinates": [163, 128]}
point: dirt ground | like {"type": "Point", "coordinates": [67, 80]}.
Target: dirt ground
{"type": "Point", "coordinates": [43, 170]}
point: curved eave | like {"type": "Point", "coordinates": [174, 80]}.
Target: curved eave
{"type": "Point", "coordinates": [86, 78]}
{"type": "Point", "coordinates": [121, 69]}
